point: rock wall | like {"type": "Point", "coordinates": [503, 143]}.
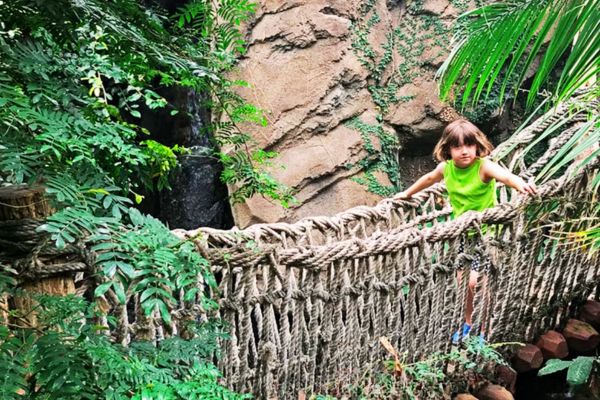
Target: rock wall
{"type": "Point", "coordinates": [320, 69]}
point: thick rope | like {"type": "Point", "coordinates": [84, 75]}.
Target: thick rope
{"type": "Point", "coordinates": [307, 302]}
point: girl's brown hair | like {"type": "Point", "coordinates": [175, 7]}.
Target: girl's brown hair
{"type": "Point", "coordinates": [459, 132]}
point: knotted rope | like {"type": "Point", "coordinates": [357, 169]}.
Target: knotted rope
{"type": "Point", "coordinates": [307, 302]}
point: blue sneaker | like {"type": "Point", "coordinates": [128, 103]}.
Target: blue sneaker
{"type": "Point", "coordinates": [458, 337]}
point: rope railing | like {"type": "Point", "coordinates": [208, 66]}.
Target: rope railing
{"type": "Point", "coordinates": [305, 316]}
{"type": "Point", "coordinates": [307, 302]}
{"type": "Point", "coordinates": [394, 213]}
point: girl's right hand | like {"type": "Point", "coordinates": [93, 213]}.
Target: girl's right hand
{"type": "Point", "coordinates": [403, 196]}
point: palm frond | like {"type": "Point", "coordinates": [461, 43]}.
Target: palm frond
{"type": "Point", "coordinates": [577, 152]}
{"type": "Point", "coordinates": [503, 42]}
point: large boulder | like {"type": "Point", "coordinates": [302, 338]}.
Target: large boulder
{"type": "Point", "coordinates": [306, 73]}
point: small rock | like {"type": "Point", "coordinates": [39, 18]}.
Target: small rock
{"type": "Point", "coordinates": [527, 358]}
{"type": "Point", "coordinates": [553, 345]}
{"type": "Point", "coordinates": [465, 396]}
{"type": "Point", "coordinates": [494, 392]}
{"type": "Point", "coordinates": [581, 336]}
{"type": "Point", "coordinates": [435, 7]}
{"type": "Point", "coordinates": [507, 377]}
{"type": "Point", "coordinates": [590, 313]}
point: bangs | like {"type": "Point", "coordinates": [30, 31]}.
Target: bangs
{"type": "Point", "coordinates": [460, 137]}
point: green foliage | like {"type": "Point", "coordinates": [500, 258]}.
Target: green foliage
{"type": "Point", "coordinates": [426, 378]}
{"type": "Point", "coordinates": [74, 80]}
{"type": "Point", "coordinates": [13, 358]}
{"type": "Point", "coordinates": [382, 160]}
{"type": "Point", "coordinates": [68, 357]}
{"type": "Point", "coordinates": [147, 259]}
{"type": "Point", "coordinates": [74, 77]}
{"type": "Point", "coordinates": [240, 170]}
{"type": "Point", "coordinates": [429, 375]}
{"type": "Point", "coordinates": [510, 36]}
{"type": "Point", "coordinates": [578, 369]}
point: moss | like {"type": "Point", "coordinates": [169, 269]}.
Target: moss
{"type": "Point", "coordinates": [406, 45]}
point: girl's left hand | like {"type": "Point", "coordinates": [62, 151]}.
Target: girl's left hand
{"type": "Point", "coordinates": [528, 188]}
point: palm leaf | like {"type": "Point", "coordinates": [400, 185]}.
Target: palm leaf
{"type": "Point", "coordinates": [576, 151]}
{"type": "Point", "coordinates": [500, 43]}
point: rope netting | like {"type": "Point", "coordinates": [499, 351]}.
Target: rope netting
{"type": "Point", "coordinates": [307, 302]}
{"type": "Point", "coordinates": [302, 316]}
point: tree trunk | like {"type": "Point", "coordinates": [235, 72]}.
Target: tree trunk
{"type": "Point", "coordinates": [18, 204]}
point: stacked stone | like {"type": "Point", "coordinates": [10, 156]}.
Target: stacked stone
{"type": "Point", "coordinates": [580, 336]}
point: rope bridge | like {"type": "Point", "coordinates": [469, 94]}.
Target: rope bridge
{"type": "Point", "coordinates": [307, 302]}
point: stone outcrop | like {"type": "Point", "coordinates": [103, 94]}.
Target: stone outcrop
{"type": "Point", "coordinates": [553, 345]}
{"type": "Point", "coordinates": [310, 76]}
{"type": "Point", "coordinates": [465, 396]}
{"type": "Point", "coordinates": [493, 392]}
{"type": "Point", "coordinates": [590, 313]}
{"type": "Point", "coordinates": [506, 377]}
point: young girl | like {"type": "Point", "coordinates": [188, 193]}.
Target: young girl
{"type": "Point", "coordinates": [471, 184]}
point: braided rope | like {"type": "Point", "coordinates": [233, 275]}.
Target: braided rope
{"type": "Point", "coordinates": [308, 301]}
{"type": "Point", "coordinates": [319, 308]}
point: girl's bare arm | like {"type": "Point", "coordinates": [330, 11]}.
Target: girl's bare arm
{"type": "Point", "coordinates": [424, 182]}
{"type": "Point", "coordinates": [491, 170]}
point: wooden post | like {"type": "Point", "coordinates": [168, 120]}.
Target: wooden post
{"type": "Point", "coordinates": [20, 203]}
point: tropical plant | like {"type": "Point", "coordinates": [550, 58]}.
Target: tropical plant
{"type": "Point", "coordinates": [66, 356]}
{"type": "Point", "coordinates": [428, 377]}
{"type": "Point", "coordinates": [507, 39]}
{"type": "Point", "coordinates": [579, 369]}
{"type": "Point", "coordinates": [75, 79]}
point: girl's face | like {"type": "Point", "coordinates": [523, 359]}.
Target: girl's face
{"type": "Point", "coordinates": [463, 155]}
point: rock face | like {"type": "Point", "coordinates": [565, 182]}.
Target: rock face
{"type": "Point", "coordinates": [316, 65]}
{"type": "Point", "coordinates": [189, 204]}
{"type": "Point", "coordinates": [198, 197]}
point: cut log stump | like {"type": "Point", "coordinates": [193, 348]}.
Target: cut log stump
{"type": "Point", "coordinates": [19, 205]}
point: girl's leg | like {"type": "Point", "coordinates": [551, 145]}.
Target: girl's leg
{"type": "Point", "coordinates": [473, 275]}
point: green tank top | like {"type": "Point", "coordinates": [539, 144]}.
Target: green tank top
{"type": "Point", "coordinates": [466, 189]}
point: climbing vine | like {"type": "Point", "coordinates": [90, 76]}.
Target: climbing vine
{"type": "Point", "coordinates": [400, 61]}
{"type": "Point", "coordinates": [383, 159]}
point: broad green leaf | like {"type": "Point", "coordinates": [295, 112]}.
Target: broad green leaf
{"type": "Point", "coordinates": [554, 365]}
{"type": "Point", "coordinates": [579, 371]}
{"type": "Point", "coordinates": [103, 288]}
